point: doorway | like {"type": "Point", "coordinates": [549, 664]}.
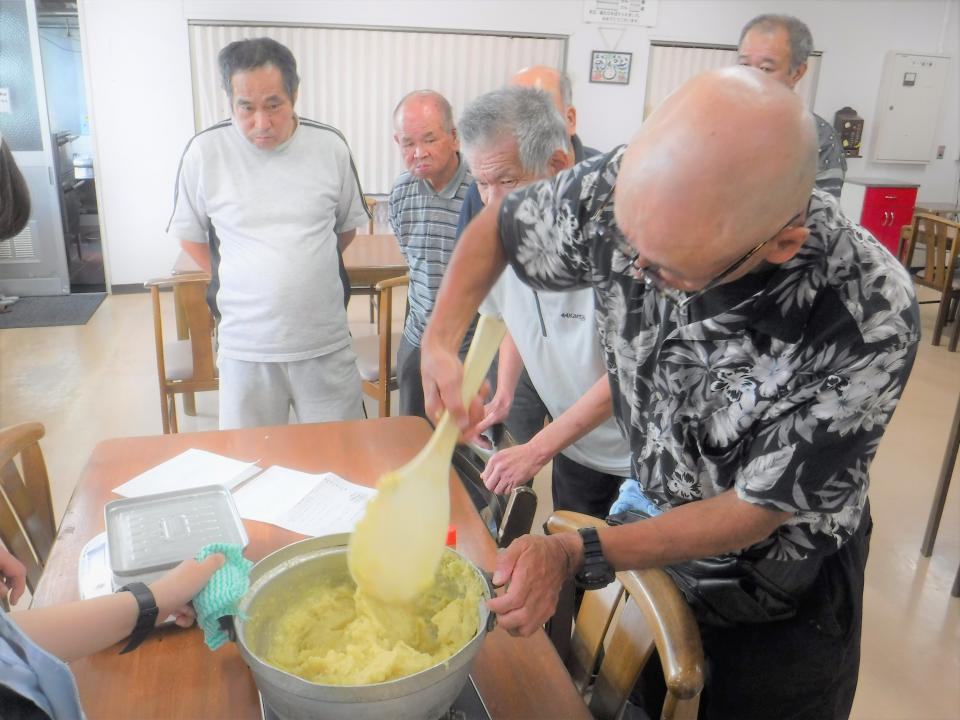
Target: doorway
{"type": "Point", "coordinates": [61, 58]}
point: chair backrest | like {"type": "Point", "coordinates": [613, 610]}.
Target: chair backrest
{"type": "Point", "coordinates": [507, 517]}
{"type": "Point", "coordinates": [655, 616]}
{"type": "Point", "coordinates": [939, 237]}
{"type": "Point", "coordinates": [27, 526]}
{"type": "Point", "coordinates": [194, 321]}
{"type": "Point", "coordinates": [375, 353]}
{"type": "Point", "coordinates": [185, 365]}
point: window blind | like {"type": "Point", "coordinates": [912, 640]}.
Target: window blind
{"type": "Point", "coordinates": [352, 78]}
{"type": "Point", "coordinates": [672, 64]}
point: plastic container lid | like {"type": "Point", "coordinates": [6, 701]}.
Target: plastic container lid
{"type": "Point", "coordinates": [153, 533]}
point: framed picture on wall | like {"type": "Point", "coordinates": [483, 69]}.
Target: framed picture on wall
{"type": "Point", "coordinates": [610, 67]}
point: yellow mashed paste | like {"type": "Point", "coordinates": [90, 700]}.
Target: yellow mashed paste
{"type": "Point", "coordinates": [333, 634]}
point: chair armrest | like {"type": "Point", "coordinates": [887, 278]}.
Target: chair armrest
{"type": "Point", "coordinates": [15, 438]}
{"type": "Point", "coordinates": [569, 521]}
{"type": "Point", "coordinates": [392, 283]}
{"type": "Point", "coordinates": [938, 218]}
{"type": "Point", "coordinates": [674, 628]}
{"type": "Point", "coordinates": [664, 608]}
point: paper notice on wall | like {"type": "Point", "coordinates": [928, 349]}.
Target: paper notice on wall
{"type": "Point", "coordinates": [637, 13]}
{"type": "Point", "coordinates": [5, 100]}
{"type": "Point", "coordinates": [312, 505]}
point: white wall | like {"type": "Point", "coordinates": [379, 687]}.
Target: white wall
{"type": "Point", "coordinates": [141, 98]}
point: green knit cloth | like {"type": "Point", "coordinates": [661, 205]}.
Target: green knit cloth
{"type": "Point", "coordinates": [220, 596]}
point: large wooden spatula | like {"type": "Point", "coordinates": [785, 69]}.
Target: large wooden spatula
{"type": "Point", "coordinates": [396, 548]}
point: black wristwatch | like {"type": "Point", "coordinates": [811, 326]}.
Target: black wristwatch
{"type": "Point", "coordinates": [596, 572]}
{"type": "Point", "coordinates": [146, 620]}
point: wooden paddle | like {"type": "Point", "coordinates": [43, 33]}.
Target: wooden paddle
{"type": "Point", "coordinates": [396, 548]}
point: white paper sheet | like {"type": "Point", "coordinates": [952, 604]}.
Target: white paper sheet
{"type": "Point", "coordinates": [191, 468]}
{"type": "Point", "coordinates": [312, 505]}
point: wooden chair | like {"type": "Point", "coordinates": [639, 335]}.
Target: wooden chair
{"type": "Point", "coordinates": [939, 238]}
{"type": "Point", "coordinates": [364, 288]}
{"type": "Point", "coordinates": [655, 616]}
{"type": "Point", "coordinates": [377, 354]}
{"type": "Point", "coordinates": [183, 365]}
{"type": "Point", "coordinates": [27, 527]}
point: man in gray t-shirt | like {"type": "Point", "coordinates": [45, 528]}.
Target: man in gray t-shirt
{"type": "Point", "coordinates": [282, 195]}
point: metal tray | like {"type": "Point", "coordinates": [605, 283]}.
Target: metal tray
{"type": "Point", "coordinates": [147, 535]}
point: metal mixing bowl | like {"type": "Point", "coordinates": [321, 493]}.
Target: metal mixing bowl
{"type": "Point", "coordinates": [427, 694]}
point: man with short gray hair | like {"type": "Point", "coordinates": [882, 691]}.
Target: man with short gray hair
{"type": "Point", "coordinates": [284, 198]}
{"type": "Point", "coordinates": [512, 137]}
{"type": "Point", "coordinates": [525, 409]}
{"type": "Point", "coordinates": [779, 45]}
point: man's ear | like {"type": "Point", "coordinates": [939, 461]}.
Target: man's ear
{"type": "Point", "coordinates": [787, 244]}
{"type": "Point", "coordinates": [396, 138]}
{"type": "Point", "coordinates": [560, 160]}
{"type": "Point", "coordinates": [798, 73]}
{"type": "Point", "coordinates": [570, 118]}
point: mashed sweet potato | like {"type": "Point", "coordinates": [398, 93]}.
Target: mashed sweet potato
{"type": "Point", "coordinates": [332, 634]}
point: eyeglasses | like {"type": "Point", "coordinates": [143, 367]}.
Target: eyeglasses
{"type": "Point", "coordinates": [650, 274]}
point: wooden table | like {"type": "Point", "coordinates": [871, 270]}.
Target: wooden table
{"type": "Point", "coordinates": [174, 675]}
{"type": "Point", "coordinates": [379, 250]}
{"type": "Point", "coordinates": [370, 259]}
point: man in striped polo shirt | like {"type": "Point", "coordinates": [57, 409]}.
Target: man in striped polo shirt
{"type": "Point", "coordinates": [424, 206]}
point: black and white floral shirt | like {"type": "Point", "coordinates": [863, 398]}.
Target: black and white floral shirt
{"type": "Point", "coordinates": [779, 384]}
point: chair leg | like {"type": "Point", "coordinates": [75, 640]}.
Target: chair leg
{"type": "Point", "coordinates": [373, 304]}
{"type": "Point", "coordinates": [942, 313]}
{"type": "Point", "coordinates": [955, 336]}
{"type": "Point", "coordinates": [164, 413]}
{"type": "Point", "coordinates": [384, 401]}
{"type": "Point", "coordinates": [173, 414]}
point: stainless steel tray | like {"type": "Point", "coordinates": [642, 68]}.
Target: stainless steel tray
{"type": "Point", "coordinates": [149, 534]}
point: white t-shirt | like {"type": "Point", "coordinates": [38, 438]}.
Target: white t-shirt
{"type": "Point", "coordinates": [277, 214]}
{"type": "Point", "coordinates": [556, 335]}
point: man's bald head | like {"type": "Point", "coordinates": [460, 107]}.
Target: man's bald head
{"type": "Point", "coordinates": [556, 84]}
{"type": "Point", "coordinates": [722, 164]}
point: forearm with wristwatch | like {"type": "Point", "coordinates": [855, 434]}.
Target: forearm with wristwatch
{"type": "Point", "coordinates": [80, 628]}
{"type": "Point", "coordinates": [704, 528]}
{"type": "Point", "coordinates": [586, 562]}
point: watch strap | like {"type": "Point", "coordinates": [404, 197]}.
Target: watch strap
{"type": "Point", "coordinates": [147, 617]}
{"type": "Point", "coordinates": [596, 572]}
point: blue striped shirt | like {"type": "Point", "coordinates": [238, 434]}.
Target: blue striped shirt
{"type": "Point", "coordinates": [425, 223]}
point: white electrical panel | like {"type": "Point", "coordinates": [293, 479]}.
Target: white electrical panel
{"type": "Point", "coordinates": [911, 96]}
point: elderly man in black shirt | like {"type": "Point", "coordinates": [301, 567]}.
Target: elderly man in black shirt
{"type": "Point", "coordinates": [757, 343]}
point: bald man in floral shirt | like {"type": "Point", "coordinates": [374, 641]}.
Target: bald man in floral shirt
{"type": "Point", "coordinates": [757, 343]}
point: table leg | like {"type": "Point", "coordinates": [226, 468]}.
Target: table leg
{"type": "Point", "coordinates": [943, 486]}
